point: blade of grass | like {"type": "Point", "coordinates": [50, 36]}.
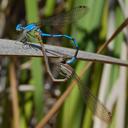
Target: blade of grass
{"type": "Point", "coordinates": [120, 110]}
{"type": "Point", "coordinates": [49, 7]}
{"type": "Point", "coordinates": [36, 68]}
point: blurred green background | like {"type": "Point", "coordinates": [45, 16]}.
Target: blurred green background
{"type": "Point", "coordinates": [36, 93]}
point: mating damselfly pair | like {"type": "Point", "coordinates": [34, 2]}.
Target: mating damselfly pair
{"type": "Point", "coordinates": [63, 67]}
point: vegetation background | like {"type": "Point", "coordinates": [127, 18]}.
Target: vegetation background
{"type": "Point", "coordinates": [26, 91]}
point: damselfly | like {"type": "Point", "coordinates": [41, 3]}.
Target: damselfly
{"type": "Point", "coordinates": [92, 102]}
{"type": "Point", "coordinates": [66, 72]}
{"type": "Point", "coordinates": [37, 35]}
{"type": "Point", "coordinates": [69, 17]}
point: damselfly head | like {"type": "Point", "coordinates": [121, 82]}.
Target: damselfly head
{"type": "Point", "coordinates": [19, 27]}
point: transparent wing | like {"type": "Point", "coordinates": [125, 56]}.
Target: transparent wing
{"type": "Point", "coordinates": [68, 17]}
{"type": "Point", "coordinates": [92, 102]}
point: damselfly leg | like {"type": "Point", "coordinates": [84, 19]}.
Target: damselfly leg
{"type": "Point", "coordinates": [47, 61]}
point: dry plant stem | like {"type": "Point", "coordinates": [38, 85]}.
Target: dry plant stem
{"type": "Point", "coordinates": [14, 48]}
{"type": "Point", "coordinates": [60, 101]}
{"type": "Point", "coordinates": [120, 28]}
{"type": "Point", "coordinates": [14, 96]}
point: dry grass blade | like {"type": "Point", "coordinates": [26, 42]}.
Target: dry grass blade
{"type": "Point", "coordinates": [9, 47]}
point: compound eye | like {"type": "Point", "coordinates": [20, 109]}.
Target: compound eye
{"type": "Point", "coordinates": [19, 27]}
